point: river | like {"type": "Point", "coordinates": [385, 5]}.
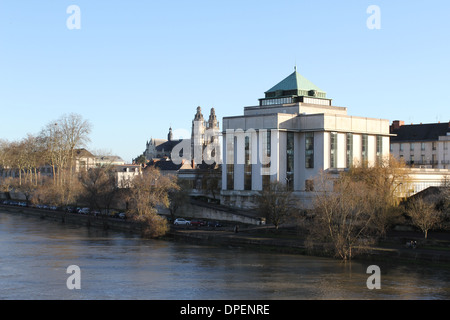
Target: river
{"type": "Point", "coordinates": [35, 255]}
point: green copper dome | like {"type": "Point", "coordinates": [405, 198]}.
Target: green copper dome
{"type": "Point", "coordinates": [297, 85]}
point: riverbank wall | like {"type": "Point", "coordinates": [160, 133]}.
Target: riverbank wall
{"type": "Point", "coordinates": [77, 219]}
{"type": "Point", "coordinates": [203, 210]}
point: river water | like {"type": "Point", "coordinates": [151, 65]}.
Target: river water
{"type": "Point", "coordinates": [35, 255]}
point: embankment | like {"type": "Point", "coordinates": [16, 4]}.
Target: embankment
{"type": "Point", "coordinates": [77, 219]}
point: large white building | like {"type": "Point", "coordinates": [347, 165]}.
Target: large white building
{"type": "Point", "coordinates": [291, 136]}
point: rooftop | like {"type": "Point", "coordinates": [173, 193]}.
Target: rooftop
{"type": "Point", "coordinates": [419, 132]}
{"type": "Point", "coordinates": [295, 84]}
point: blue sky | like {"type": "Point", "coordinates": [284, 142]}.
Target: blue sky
{"type": "Point", "coordinates": [137, 67]}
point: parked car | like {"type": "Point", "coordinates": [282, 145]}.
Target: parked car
{"type": "Point", "coordinates": [84, 211]}
{"type": "Point", "coordinates": [181, 221]}
{"type": "Point", "coordinates": [119, 215]}
{"type": "Point", "coordinates": [214, 224]}
{"type": "Point", "coordinates": [198, 223]}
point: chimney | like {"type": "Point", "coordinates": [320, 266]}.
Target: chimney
{"type": "Point", "coordinates": [396, 125]}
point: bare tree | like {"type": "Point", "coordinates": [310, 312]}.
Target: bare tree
{"type": "Point", "coordinates": [423, 215]}
{"type": "Point", "coordinates": [445, 196]}
{"type": "Point", "coordinates": [149, 191]}
{"type": "Point", "coordinates": [61, 138]}
{"type": "Point", "coordinates": [98, 187]}
{"type": "Point", "coordinates": [390, 180]}
{"type": "Point", "coordinates": [27, 188]}
{"type": "Point", "coordinates": [276, 203]}
{"type": "Point", "coordinates": [75, 133]}
{"type": "Point", "coordinates": [342, 215]}
{"type": "Point", "coordinates": [6, 185]}
{"type": "Point", "coordinates": [178, 196]}
{"type": "Point", "coordinates": [34, 157]}
{"type": "Point", "coordinates": [210, 180]}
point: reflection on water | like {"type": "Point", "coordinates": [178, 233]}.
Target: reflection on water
{"type": "Point", "coordinates": [35, 254]}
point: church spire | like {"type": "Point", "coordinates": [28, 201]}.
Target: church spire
{"type": "Point", "coordinates": [212, 122]}
{"type": "Point", "coordinates": [198, 115]}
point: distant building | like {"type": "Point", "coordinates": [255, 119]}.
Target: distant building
{"type": "Point", "coordinates": [167, 166]}
{"type": "Point", "coordinates": [291, 136]}
{"type": "Point", "coordinates": [108, 161]}
{"type": "Point", "coordinates": [162, 148]}
{"type": "Point", "coordinates": [84, 160]}
{"type": "Point", "coordinates": [125, 174]}
{"type": "Point", "coordinates": [421, 145]}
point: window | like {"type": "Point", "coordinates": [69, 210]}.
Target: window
{"type": "Point", "coordinates": [269, 102]}
{"type": "Point", "coordinates": [379, 148]}
{"type": "Point", "coordinates": [248, 165]}
{"type": "Point", "coordinates": [411, 147]}
{"type": "Point", "coordinates": [433, 144]}
{"type": "Point", "coordinates": [422, 146]}
{"type": "Point", "coordinates": [266, 167]}
{"type": "Point", "coordinates": [317, 101]}
{"type": "Point", "coordinates": [434, 160]}
{"type": "Point", "coordinates": [230, 161]}
{"type": "Point", "coordinates": [230, 176]}
{"type": "Point", "coordinates": [401, 146]}
{"type": "Point", "coordinates": [309, 150]}
{"type": "Point", "coordinates": [349, 150]}
{"type": "Point", "coordinates": [364, 154]}
{"type": "Point", "coordinates": [290, 161]}
{"type": "Point", "coordinates": [333, 149]}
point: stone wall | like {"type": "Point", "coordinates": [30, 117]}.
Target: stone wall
{"type": "Point", "coordinates": [198, 210]}
{"type": "Point", "coordinates": [77, 219]}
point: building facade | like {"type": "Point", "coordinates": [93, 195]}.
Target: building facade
{"type": "Point", "coordinates": [293, 135]}
{"type": "Point", "coordinates": [203, 133]}
{"type": "Point", "coordinates": [421, 145]}
{"type": "Point", "coordinates": [160, 148]}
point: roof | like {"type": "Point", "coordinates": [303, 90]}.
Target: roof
{"type": "Point", "coordinates": [295, 81]}
{"type": "Point", "coordinates": [168, 145]}
{"type": "Point", "coordinates": [109, 158]}
{"type": "Point", "coordinates": [83, 153]}
{"type": "Point", "coordinates": [421, 132]}
{"type": "Point", "coordinates": [168, 165]}
{"type": "Point", "coordinates": [157, 142]}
